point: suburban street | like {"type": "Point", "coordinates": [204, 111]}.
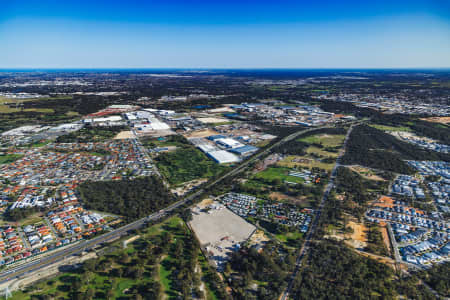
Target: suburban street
{"type": "Point", "coordinates": [88, 244]}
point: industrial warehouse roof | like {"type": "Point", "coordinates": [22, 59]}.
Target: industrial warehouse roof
{"type": "Point", "coordinates": [244, 149]}
{"type": "Point", "coordinates": [216, 137]}
{"type": "Point", "coordinates": [223, 157]}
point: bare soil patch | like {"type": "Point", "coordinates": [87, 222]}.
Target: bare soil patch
{"type": "Point", "coordinates": [442, 120]}
{"type": "Point", "coordinates": [126, 134]}
{"type": "Point", "coordinates": [366, 173]}
{"type": "Point", "coordinates": [200, 133]}
{"type": "Point", "coordinates": [358, 238]}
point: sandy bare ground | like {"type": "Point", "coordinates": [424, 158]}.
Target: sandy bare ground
{"type": "Point", "coordinates": [206, 202]}
{"type": "Point", "coordinates": [443, 120]}
{"type": "Point", "coordinates": [221, 110]}
{"type": "Point", "coordinates": [187, 186]}
{"type": "Point", "coordinates": [386, 201]}
{"type": "Point", "coordinates": [126, 134]}
{"type": "Point", "coordinates": [157, 133]}
{"type": "Point", "coordinates": [357, 239]}
{"type": "Point", "coordinates": [366, 173]}
{"type": "Point", "coordinates": [359, 234]}
{"type": "Point", "coordinates": [277, 196]}
{"type": "Point", "coordinates": [258, 238]}
{"type": "Point", "coordinates": [200, 133]}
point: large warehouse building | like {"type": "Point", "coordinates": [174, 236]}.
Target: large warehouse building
{"type": "Point", "coordinates": [223, 157]}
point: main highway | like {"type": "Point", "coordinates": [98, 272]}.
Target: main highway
{"type": "Point", "coordinates": [77, 248]}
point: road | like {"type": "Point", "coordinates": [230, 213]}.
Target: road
{"type": "Point", "coordinates": [307, 243]}
{"type": "Point", "coordinates": [88, 244]}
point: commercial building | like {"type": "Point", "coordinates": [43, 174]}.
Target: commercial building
{"type": "Point", "coordinates": [229, 143]}
{"type": "Point", "coordinates": [244, 150]}
{"type": "Point", "coordinates": [223, 157]}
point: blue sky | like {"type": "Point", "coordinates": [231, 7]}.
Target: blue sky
{"type": "Point", "coordinates": [225, 34]}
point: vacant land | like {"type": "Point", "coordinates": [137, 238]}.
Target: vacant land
{"type": "Point", "coordinates": [186, 164]}
{"type": "Point", "coordinates": [94, 134]}
{"type": "Point", "coordinates": [300, 161]}
{"type": "Point", "coordinates": [358, 237]}
{"type": "Point", "coordinates": [281, 173]}
{"type": "Point", "coordinates": [9, 158]}
{"type": "Point", "coordinates": [391, 128]}
{"type": "Point", "coordinates": [313, 150]}
{"type": "Point", "coordinates": [366, 173]}
{"type": "Point", "coordinates": [326, 140]}
{"type": "Point", "coordinates": [126, 134]}
{"type": "Point", "coordinates": [201, 133]}
{"type": "Point", "coordinates": [14, 105]}
{"type": "Point", "coordinates": [442, 120]}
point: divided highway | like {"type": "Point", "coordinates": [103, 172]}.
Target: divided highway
{"type": "Point", "coordinates": [77, 248]}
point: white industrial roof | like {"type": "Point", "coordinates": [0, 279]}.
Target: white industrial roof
{"type": "Point", "coordinates": [222, 156]}
{"type": "Point", "coordinates": [229, 143]}
{"type": "Point", "coordinates": [108, 119]}
{"type": "Point", "coordinates": [207, 148]}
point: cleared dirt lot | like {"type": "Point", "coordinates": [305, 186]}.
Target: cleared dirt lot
{"type": "Point", "coordinates": [126, 134]}
{"type": "Point", "coordinates": [366, 173]}
{"type": "Point", "coordinates": [200, 133]}
{"type": "Point", "coordinates": [358, 238]}
{"type": "Point", "coordinates": [443, 120]}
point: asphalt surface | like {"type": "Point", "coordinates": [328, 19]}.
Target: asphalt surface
{"type": "Point", "coordinates": [88, 244]}
{"type": "Point", "coordinates": [307, 243]}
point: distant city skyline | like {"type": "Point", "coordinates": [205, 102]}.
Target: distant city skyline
{"type": "Point", "coordinates": [228, 34]}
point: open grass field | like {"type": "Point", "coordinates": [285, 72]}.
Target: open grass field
{"type": "Point", "coordinates": [40, 144]}
{"type": "Point", "coordinates": [390, 128]}
{"type": "Point", "coordinates": [7, 105]}
{"type": "Point", "coordinates": [292, 161]}
{"type": "Point", "coordinates": [72, 114]}
{"type": "Point", "coordinates": [85, 135]}
{"type": "Point", "coordinates": [281, 173]}
{"type": "Point", "coordinates": [327, 140]}
{"type": "Point", "coordinates": [9, 158]}
{"type": "Point", "coordinates": [32, 219]}
{"type": "Point", "coordinates": [320, 152]}
{"type": "Point", "coordinates": [285, 237]}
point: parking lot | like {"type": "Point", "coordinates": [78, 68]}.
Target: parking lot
{"type": "Point", "coordinates": [220, 231]}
